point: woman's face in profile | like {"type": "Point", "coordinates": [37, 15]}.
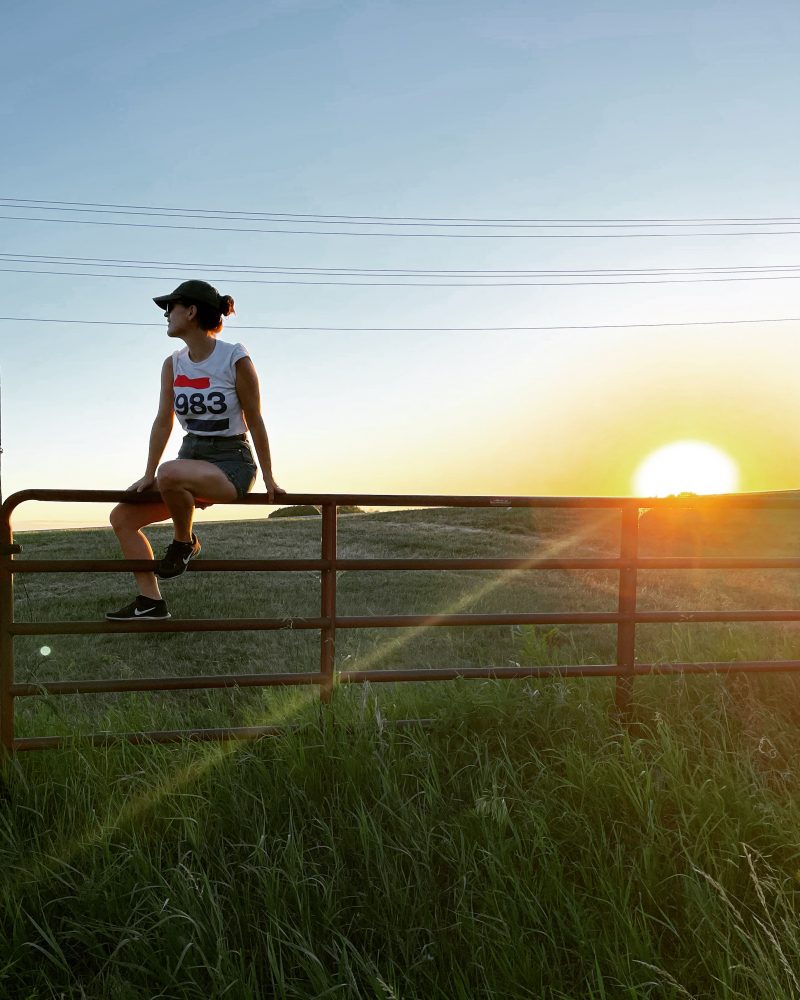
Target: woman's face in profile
{"type": "Point", "coordinates": [177, 318]}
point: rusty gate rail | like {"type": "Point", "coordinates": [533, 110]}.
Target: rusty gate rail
{"type": "Point", "coordinates": [626, 617]}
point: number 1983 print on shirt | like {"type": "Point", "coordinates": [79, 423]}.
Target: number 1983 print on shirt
{"type": "Point", "coordinates": [198, 403]}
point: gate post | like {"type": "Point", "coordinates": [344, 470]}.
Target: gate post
{"type": "Point", "coordinates": [6, 640]}
{"type": "Point", "coordinates": [626, 629]}
{"type": "Point", "coordinates": [328, 602]}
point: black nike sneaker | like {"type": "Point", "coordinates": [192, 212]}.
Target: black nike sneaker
{"type": "Point", "coordinates": [145, 609]}
{"type": "Point", "coordinates": [177, 558]}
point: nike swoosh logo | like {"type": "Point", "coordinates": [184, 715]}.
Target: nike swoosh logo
{"type": "Point", "coordinates": [146, 611]}
{"type": "Point", "coordinates": [186, 560]}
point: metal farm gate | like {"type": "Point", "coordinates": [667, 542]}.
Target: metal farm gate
{"type": "Point", "coordinates": [626, 617]}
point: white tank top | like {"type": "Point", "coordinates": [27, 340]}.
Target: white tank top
{"type": "Point", "coordinates": [205, 391]}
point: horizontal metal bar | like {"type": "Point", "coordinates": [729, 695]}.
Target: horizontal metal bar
{"type": "Point", "coordinates": [469, 564]}
{"type": "Point", "coordinates": [571, 670]}
{"type": "Point", "coordinates": [425, 621]}
{"type": "Point", "coordinates": [655, 617]}
{"type": "Point", "coordinates": [398, 621]}
{"type": "Point", "coordinates": [391, 565]}
{"type": "Point", "coordinates": [156, 736]}
{"type": "Point", "coordinates": [93, 686]}
{"type": "Point", "coordinates": [727, 667]}
{"type": "Point", "coordinates": [498, 673]}
{"type": "Point", "coordinates": [394, 676]}
{"type": "Point", "coordinates": [786, 500]}
{"type": "Point", "coordinates": [318, 499]}
{"type": "Point", "coordinates": [716, 562]}
{"type": "Point", "coordinates": [148, 565]}
{"type": "Point", "coordinates": [172, 625]}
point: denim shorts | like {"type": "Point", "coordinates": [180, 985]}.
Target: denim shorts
{"type": "Point", "coordinates": [230, 454]}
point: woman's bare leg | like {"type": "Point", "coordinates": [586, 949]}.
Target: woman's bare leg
{"type": "Point", "coordinates": [181, 482]}
{"type": "Point", "coordinates": [127, 520]}
{"type": "Point", "coordinates": [185, 480]}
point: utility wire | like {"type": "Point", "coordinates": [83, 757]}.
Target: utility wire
{"type": "Point", "coordinates": [355, 221]}
{"type": "Point", "coordinates": [125, 263]}
{"type": "Point", "coordinates": [415, 235]}
{"type": "Point", "coordinates": [423, 284]}
{"type": "Point", "coordinates": [426, 329]}
{"type": "Point", "coordinates": [380, 219]}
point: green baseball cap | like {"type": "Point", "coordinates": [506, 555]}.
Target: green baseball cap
{"type": "Point", "coordinates": [198, 292]}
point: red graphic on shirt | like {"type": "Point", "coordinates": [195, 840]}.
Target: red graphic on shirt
{"type": "Point", "coordinates": [183, 382]}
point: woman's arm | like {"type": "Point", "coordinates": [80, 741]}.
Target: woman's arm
{"type": "Point", "coordinates": [249, 394]}
{"type": "Point", "coordinates": [160, 431]}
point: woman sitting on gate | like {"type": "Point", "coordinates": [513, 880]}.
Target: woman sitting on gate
{"type": "Point", "coordinates": [212, 386]}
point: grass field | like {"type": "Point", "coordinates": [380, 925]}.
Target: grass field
{"type": "Point", "coordinates": [523, 844]}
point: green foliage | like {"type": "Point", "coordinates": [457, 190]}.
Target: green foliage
{"type": "Point", "coordinates": [310, 510]}
{"type": "Point", "coordinates": [544, 645]}
{"type": "Point", "coordinates": [521, 844]}
{"type": "Point", "coordinates": [297, 510]}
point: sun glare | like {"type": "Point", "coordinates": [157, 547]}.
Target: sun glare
{"type": "Point", "coordinates": [686, 467]}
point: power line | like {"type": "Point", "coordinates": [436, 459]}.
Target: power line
{"type": "Point", "coordinates": [127, 263]}
{"type": "Point", "coordinates": [426, 329]}
{"type": "Point", "coordinates": [424, 284]}
{"type": "Point", "coordinates": [216, 213]}
{"type": "Point", "coordinates": [364, 221]}
{"type": "Point", "coordinates": [396, 235]}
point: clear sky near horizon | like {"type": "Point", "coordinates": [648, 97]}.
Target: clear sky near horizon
{"type": "Point", "coordinates": [515, 110]}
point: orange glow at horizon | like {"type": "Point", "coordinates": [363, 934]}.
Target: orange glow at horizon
{"type": "Point", "coordinates": [686, 467]}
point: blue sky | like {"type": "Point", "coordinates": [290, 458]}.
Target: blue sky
{"type": "Point", "coordinates": [519, 110]}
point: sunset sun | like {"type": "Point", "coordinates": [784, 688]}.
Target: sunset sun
{"type": "Point", "coordinates": [686, 467]}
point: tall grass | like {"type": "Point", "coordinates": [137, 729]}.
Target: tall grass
{"type": "Point", "coordinates": [522, 844]}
